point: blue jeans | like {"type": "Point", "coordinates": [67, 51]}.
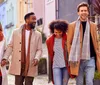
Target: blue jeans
{"type": "Point", "coordinates": [60, 76]}
{"type": "Point", "coordinates": [87, 68]}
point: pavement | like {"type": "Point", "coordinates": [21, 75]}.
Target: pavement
{"type": "Point", "coordinates": [39, 80]}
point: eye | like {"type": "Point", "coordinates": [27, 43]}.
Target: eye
{"type": "Point", "coordinates": [81, 10]}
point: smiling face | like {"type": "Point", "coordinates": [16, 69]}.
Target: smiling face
{"type": "Point", "coordinates": [32, 21]}
{"type": "Point", "coordinates": [58, 33]}
{"type": "Point", "coordinates": [83, 13]}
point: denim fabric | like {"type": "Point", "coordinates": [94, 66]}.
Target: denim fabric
{"type": "Point", "coordinates": [60, 76]}
{"type": "Point", "coordinates": [87, 68]}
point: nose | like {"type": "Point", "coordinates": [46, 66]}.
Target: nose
{"type": "Point", "coordinates": [34, 22]}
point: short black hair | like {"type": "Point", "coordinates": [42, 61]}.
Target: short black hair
{"type": "Point", "coordinates": [61, 25]}
{"type": "Point", "coordinates": [28, 15]}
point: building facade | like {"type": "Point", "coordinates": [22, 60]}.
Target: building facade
{"type": "Point", "coordinates": [62, 9]}
{"type": "Point", "coordinates": [3, 14]}
{"type": "Point", "coordinates": [22, 9]}
{"type": "Point", "coordinates": [11, 18]}
{"type": "Point", "coordinates": [50, 14]}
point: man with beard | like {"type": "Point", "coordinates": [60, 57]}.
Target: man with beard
{"type": "Point", "coordinates": [26, 49]}
{"type": "Point", "coordinates": [82, 46]}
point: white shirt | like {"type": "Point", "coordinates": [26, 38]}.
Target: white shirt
{"type": "Point", "coordinates": [27, 33]}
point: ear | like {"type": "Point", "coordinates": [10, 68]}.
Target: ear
{"type": "Point", "coordinates": [27, 20]}
{"type": "Point", "coordinates": [78, 13]}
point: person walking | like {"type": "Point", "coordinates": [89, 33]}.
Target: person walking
{"type": "Point", "coordinates": [82, 45]}
{"type": "Point", "coordinates": [58, 64]}
{"type": "Point", "coordinates": [26, 49]}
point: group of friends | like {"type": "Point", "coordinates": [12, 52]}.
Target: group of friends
{"type": "Point", "coordinates": [73, 50]}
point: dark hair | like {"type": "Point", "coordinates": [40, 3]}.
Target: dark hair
{"type": "Point", "coordinates": [82, 4]}
{"type": "Point", "coordinates": [59, 25]}
{"type": "Point", "coordinates": [28, 15]}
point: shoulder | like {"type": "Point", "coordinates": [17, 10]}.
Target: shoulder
{"type": "Point", "coordinates": [37, 33]}
{"type": "Point", "coordinates": [16, 30]}
{"type": "Point", "coordinates": [50, 38]}
{"type": "Point", "coordinates": [72, 23]}
{"type": "Point", "coordinates": [93, 24]}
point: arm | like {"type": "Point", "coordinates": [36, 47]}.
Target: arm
{"type": "Point", "coordinates": [70, 35]}
{"type": "Point", "coordinates": [7, 53]}
{"type": "Point", "coordinates": [39, 49]}
{"type": "Point", "coordinates": [9, 48]}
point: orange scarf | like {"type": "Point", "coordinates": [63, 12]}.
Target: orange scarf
{"type": "Point", "coordinates": [25, 59]}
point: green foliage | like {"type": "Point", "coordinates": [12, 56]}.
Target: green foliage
{"type": "Point", "coordinates": [43, 38]}
{"type": "Point", "coordinates": [96, 75]}
{"type": "Point", "coordinates": [42, 67]}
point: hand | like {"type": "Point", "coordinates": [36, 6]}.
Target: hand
{"type": "Point", "coordinates": [3, 62]}
{"type": "Point", "coordinates": [35, 62]}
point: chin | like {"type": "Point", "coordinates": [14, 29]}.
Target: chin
{"type": "Point", "coordinates": [58, 36]}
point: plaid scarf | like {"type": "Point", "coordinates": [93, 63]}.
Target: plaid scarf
{"type": "Point", "coordinates": [76, 53]}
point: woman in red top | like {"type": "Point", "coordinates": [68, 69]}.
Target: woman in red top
{"type": "Point", "coordinates": [56, 45]}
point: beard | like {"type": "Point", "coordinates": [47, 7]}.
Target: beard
{"type": "Point", "coordinates": [32, 25]}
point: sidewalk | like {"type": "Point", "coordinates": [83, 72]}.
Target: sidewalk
{"type": "Point", "coordinates": [39, 80]}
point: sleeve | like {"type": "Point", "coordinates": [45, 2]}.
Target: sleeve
{"type": "Point", "coordinates": [9, 48]}
{"type": "Point", "coordinates": [39, 48]}
{"type": "Point", "coordinates": [70, 35]}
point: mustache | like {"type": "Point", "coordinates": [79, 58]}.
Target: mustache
{"type": "Point", "coordinates": [32, 26]}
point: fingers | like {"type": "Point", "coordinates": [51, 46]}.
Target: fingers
{"type": "Point", "coordinates": [3, 62]}
{"type": "Point", "coordinates": [35, 62]}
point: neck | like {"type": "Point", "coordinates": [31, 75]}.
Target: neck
{"type": "Point", "coordinates": [27, 27]}
{"type": "Point", "coordinates": [83, 20]}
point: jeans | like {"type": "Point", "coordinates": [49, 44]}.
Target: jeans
{"type": "Point", "coordinates": [60, 76]}
{"type": "Point", "coordinates": [87, 68]}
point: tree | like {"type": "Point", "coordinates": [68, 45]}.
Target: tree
{"type": "Point", "coordinates": [96, 5]}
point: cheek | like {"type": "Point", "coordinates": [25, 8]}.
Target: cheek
{"type": "Point", "coordinates": [59, 34]}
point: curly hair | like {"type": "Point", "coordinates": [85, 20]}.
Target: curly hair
{"type": "Point", "coordinates": [61, 25]}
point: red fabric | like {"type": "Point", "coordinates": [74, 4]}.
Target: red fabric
{"type": "Point", "coordinates": [1, 36]}
{"type": "Point", "coordinates": [0, 73]}
{"type": "Point", "coordinates": [50, 45]}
